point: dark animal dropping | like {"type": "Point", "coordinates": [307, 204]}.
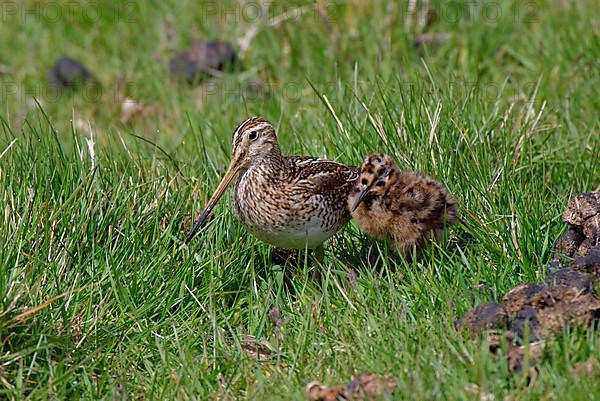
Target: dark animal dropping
{"type": "Point", "coordinates": [68, 73]}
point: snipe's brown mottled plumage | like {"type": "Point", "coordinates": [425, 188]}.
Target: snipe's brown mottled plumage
{"type": "Point", "coordinates": [289, 202]}
{"type": "Point", "coordinates": [404, 208]}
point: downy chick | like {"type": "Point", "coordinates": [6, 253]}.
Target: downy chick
{"type": "Point", "coordinates": [405, 208]}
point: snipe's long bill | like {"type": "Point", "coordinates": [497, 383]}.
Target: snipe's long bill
{"type": "Point", "coordinates": [229, 175]}
{"type": "Point", "coordinates": [287, 201]}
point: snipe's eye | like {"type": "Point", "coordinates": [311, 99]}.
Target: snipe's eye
{"type": "Point", "coordinates": [363, 181]}
{"type": "Point", "coordinates": [253, 135]}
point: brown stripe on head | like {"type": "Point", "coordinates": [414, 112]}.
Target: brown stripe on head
{"type": "Point", "coordinates": [378, 164]}
{"type": "Point", "coordinates": [247, 125]}
{"type": "Point", "coordinates": [252, 140]}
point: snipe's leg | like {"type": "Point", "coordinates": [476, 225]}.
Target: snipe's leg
{"type": "Point", "coordinates": [285, 257]}
{"type": "Point", "coordinates": [319, 253]}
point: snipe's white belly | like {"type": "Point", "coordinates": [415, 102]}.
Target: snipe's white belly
{"type": "Point", "coordinates": [309, 236]}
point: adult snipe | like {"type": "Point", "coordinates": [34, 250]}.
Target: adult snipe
{"type": "Point", "coordinates": [289, 202]}
{"type": "Point", "coordinates": [404, 208]}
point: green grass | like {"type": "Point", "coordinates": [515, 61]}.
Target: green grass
{"type": "Point", "coordinates": [100, 299]}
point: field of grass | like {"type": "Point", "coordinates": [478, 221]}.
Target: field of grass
{"type": "Point", "coordinates": [100, 298]}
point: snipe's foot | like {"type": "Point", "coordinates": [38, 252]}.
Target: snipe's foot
{"type": "Point", "coordinates": [285, 257]}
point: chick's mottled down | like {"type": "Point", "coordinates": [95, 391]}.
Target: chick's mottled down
{"type": "Point", "coordinates": [404, 208]}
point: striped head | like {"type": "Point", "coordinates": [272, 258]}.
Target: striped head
{"type": "Point", "coordinates": [375, 176]}
{"type": "Point", "coordinates": [252, 140]}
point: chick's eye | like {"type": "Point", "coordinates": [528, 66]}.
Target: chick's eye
{"type": "Point", "coordinates": [363, 181]}
{"type": "Point", "coordinates": [253, 135]}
